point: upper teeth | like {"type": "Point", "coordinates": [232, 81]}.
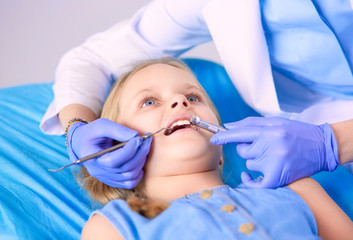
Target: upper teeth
{"type": "Point", "coordinates": [180, 123]}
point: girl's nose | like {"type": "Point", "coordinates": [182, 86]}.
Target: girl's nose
{"type": "Point", "coordinates": [175, 104]}
{"type": "Point", "coordinates": [179, 102]}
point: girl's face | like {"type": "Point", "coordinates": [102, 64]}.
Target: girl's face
{"type": "Point", "coordinates": [160, 96]}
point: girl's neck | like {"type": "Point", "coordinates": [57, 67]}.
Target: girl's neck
{"type": "Point", "coordinates": [168, 188]}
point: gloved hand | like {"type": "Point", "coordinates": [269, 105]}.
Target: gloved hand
{"type": "Point", "coordinates": [283, 150]}
{"type": "Point", "coordinates": [121, 168]}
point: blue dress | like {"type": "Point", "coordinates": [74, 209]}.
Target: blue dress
{"type": "Point", "coordinates": [220, 213]}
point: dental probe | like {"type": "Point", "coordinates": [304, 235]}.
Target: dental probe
{"type": "Point", "coordinates": [206, 125]}
{"type": "Point", "coordinates": [100, 153]}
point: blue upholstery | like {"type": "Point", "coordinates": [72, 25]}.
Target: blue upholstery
{"type": "Point", "coordinates": [38, 204]}
{"type": "Point", "coordinates": [35, 203]}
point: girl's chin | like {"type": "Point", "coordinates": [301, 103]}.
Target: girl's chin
{"type": "Point", "coordinates": [186, 154]}
{"type": "Point", "coordinates": [188, 150]}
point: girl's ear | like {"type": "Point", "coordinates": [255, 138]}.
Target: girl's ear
{"type": "Point", "coordinates": [220, 161]}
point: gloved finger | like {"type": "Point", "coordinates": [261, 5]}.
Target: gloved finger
{"type": "Point", "coordinates": [132, 165]}
{"type": "Point", "coordinates": [236, 135]}
{"type": "Point", "coordinates": [111, 173]}
{"type": "Point", "coordinates": [133, 182]}
{"type": "Point", "coordinates": [253, 165]}
{"type": "Point", "coordinates": [126, 176]}
{"type": "Point", "coordinates": [247, 150]}
{"type": "Point", "coordinates": [120, 156]}
{"type": "Point", "coordinates": [268, 183]}
{"type": "Point", "coordinates": [139, 159]}
{"type": "Point", "coordinates": [259, 164]}
{"type": "Point", "coordinates": [249, 182]}
{"type": "Point", "coordinates": [246, 122]}
{"type": "Point", "coordinates": [103, 127]}
{"type": "Point", "coordinates": [128, 184]}
{"type": "Point", "coordinates": [273, 178]}
{"type": "Point", "coordinates": [256, 122]}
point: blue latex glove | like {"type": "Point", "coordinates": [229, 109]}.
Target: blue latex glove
{"type": "Point", "coordinates": [121, 168]}
{"type": "Point", "coordinates": [283, 150]}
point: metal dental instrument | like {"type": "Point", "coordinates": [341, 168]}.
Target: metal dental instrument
{"type": "Point", "coordinates": [206, 125]}
{"type": "Point", "coordinates": [100, 153]}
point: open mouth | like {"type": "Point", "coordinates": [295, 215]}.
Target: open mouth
{"type": "Point", "coordinates": [181, 124]}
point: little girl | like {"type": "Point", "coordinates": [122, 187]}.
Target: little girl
{"type": "Point", "coordinates": [182, 179]}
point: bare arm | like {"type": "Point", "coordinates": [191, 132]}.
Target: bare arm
{"type": "Point", "coordinates": [98, 227]}
{"type": "Point", "coordinates": [332, 222]}
{"type": "Point", "coordinates": [344, 135]}
{"type": "Point", "coordinates": [76, 111]}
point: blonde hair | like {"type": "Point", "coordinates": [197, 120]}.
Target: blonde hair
{"type": "Point", "coordinates": [98, 190]}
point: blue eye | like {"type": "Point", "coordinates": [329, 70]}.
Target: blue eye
{"type": "Point", "coordinates": [148, 102]}
{"type": "Point", "coordinates": [193, 99]}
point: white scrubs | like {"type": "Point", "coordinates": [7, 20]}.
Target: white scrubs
{"type": "Point", "coordinates": [286, 58]}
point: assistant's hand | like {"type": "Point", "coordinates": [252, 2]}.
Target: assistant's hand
{"type": "Point", "coordinates": [121, 168]}
{"type": "Point", "coordinates": [283, 150]}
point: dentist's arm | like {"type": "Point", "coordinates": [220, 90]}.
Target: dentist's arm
{"type": "Point", "coordinates": [344, 135]}
{"type": "Point", "coordinates": [77, 111]}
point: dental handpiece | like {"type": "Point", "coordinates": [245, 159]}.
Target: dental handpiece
{"type": "Point", "coordinates": [206, 125]}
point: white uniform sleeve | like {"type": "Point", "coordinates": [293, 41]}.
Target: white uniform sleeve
{"type": "Point", "coordinates": [85, 74]}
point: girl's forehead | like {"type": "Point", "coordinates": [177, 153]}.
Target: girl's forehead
{"type": "Point", "coordinates": [161, 74]}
